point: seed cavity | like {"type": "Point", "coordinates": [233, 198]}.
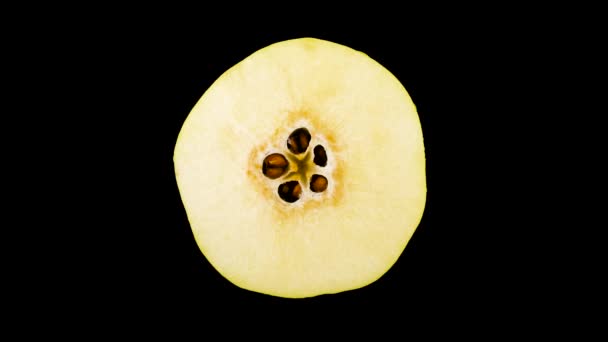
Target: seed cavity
{"type": "Point", "coordinates": [290, 191]}
{"type": "Point", "coordinates": [286, 166]}
{"type": "Point", "coordinates": [320, 155]}
{"type": "Point", "coordinates": [274, 165]}
{"type": "Point", "coordinates": [298, 141]}
{"type": "Point", "coordinates": [318, 183]}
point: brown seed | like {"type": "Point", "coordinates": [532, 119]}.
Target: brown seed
{"type": "Point", "coordinates": [298, 141]}
{"type": "Point", "coordinates": [274, 165]}
{"type": "Point", "coordinates": [290, 191]}
{"type": "Point", "coordinates": [318, 183]}
{"type": "Point", "coordinates": [320, 155]}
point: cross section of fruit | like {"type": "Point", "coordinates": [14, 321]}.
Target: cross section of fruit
{"type": "Point", "coordinates": [302, 169]}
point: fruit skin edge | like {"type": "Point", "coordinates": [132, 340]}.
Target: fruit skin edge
{"type": "Point", "coordinates": [272, 293]}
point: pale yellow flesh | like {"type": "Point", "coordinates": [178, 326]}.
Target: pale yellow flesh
{"type": "Point", "coordinates": [337, 244]}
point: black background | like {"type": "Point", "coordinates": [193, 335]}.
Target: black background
{"type": "Point", "coordinates": [129, 81]}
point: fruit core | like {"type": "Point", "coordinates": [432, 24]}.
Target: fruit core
{"type": "Point", "coordinates": [300, 167]}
